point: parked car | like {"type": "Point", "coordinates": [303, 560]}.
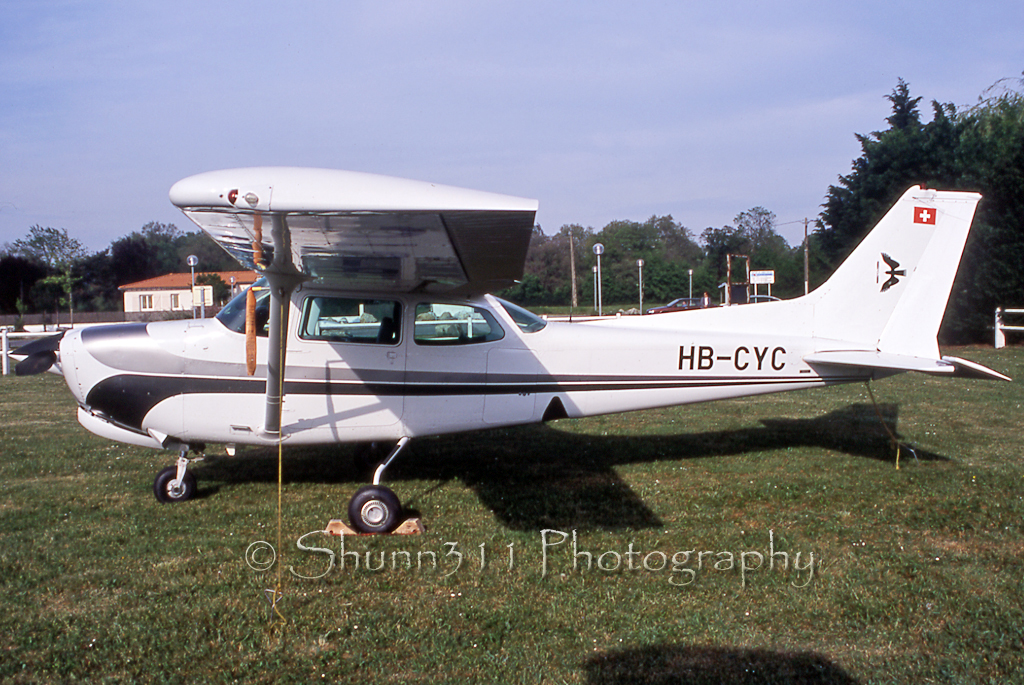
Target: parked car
{"type": "Point", "coordinates": [681, 304]}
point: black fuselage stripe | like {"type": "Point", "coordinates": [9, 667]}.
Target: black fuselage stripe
{"type": "Point", "coordinates": [127, 398]}
{"type": "Point", "coordinates": [196, 385]}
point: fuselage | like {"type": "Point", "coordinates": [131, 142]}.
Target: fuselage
{"type": "Point", "coordinates": [372, 366]}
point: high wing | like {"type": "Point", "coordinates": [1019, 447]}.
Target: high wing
{"type": "Point", "coordinates": [363, 231]}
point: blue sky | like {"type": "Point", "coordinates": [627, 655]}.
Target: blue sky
{"type": "Point", "coordinates": [600, 110]}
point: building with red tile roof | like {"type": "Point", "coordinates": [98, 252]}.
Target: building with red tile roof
{"type": "Point", "coordinates": [173, 292]}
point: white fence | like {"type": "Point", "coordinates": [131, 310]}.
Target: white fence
{"type": "Point", "coordinates": [5, 346]}
{"type": "Point", "coordinates": [1001, 327]}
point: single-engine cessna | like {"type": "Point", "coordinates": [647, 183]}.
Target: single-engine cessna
{"type": "Point", "coordinates": [372, 322]}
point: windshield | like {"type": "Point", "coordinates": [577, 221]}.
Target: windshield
{"type": "Point", "coordinates": [526, 320]}
{"type": "Point", "coordinates": [233, 314]}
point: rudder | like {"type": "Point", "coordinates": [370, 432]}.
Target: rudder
{"type": "Point", "coordinates": [891, 292]}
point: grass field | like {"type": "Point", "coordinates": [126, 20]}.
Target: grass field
{"type": "Point", "coordinates": [908, 575]}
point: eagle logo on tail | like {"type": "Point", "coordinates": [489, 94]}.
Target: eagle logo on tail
{"type": "Point", "coordinates": [892, 273]}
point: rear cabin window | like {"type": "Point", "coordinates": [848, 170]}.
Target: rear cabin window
{"type": "Point", "coordinates": [452, 324]}
{"type": "Point", "coordinates": [351, 320]}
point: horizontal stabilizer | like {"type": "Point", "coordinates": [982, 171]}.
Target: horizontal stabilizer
{"type": "Point", "coordinates": [954, 367]}
{"type": "Point", "coordinates": [969, 369]}
{"type": "Point", "coordinates": [881, 360]}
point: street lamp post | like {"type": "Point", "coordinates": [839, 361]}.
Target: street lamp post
{"type": "Point", "coordinates": [640, 268]}
{"type": "Point", "coordinates": [691, 284]}
{"type": "Point", "coordinates": [598, 250]}
{"type": "Point", "coordinates": [192, 261]}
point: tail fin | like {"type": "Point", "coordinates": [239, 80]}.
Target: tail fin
{"type": "Point", "coordinates": [890, 293]}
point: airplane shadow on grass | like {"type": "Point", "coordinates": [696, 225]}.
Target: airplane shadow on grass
{"type": "Point", "coordinates": [700, 665]}
{"type": "Point", "coordinates": [536, 477]}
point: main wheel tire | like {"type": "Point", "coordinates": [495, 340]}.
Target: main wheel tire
{"type": "Point", "coordinates": [374, 509]}
{"type": "Point", "coordinates": [165, 494]}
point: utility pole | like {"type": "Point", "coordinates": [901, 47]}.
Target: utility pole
{"type": "Point", "coordinates": [807, 268]}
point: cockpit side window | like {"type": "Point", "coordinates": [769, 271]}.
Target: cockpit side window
{"type": "Point", "coordinates": [233, 314]}
{"type": "Point", "coordinates": [455, 324]}
{"type": "Point", "coordinates": [527, 321]}
{"type": "Point", "coordinates": [351, 320]}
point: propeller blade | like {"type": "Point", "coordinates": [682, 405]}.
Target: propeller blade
{"type": "Point", "coordinates": [257, 240]}
{"type": "Point", "coordinates": [35, 363]}
{"type": "Point", "coordinates": [250, 332]}
{"type": "Point", "coordinates": [48, 344]}
{"type": "Point", "coordinates": [250, 298]}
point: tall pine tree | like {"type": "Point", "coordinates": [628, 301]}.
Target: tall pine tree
{"type": "Point", "coordinates": [981, 149]}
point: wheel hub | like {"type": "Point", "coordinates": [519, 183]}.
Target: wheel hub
{"type": "Point", "coordinates": [374, 512]}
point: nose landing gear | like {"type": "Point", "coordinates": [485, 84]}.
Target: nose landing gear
{"type": "Point", "coordinates": [175, 483]}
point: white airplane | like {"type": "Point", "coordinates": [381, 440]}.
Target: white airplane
{"type": "Point", "coordinates": [373, 323]}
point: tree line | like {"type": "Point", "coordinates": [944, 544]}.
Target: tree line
{"type": "Point", "coordinates": [669, 251]}
{"type": "Point", "coordinates": [49, 270]}
{"type": "Point", "coordinates": [978, 148]}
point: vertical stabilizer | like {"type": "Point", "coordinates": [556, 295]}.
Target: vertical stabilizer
{"type": "Point", "coordinates": [891, 292]}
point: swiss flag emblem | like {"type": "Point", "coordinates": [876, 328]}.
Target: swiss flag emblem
{"type": "Point", "coordinates": [924, 215]}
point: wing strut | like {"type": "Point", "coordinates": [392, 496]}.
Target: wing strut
{"type": "Point", "coordinates": [283, 278]}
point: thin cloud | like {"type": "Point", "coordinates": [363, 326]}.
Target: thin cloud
{"type": "Point", "coordinates": [605, 111]}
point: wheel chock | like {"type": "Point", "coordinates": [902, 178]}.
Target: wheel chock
{"type": "Point", "coordinates": [413, 526]}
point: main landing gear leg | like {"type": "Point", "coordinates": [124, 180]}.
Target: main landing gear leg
{"type": "Point", "coordinates": [375, 508]}
{"type": "Point", "coordinates": [175, 483]}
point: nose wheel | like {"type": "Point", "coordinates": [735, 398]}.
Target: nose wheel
{"type": "Point", "coordinates": [169, 489]}
{"type": "Point", "coordinates": [175, 483]}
